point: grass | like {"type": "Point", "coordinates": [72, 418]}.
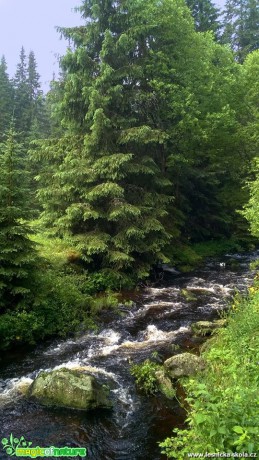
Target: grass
{"type": "Point", "coordinates": [187, 257]}
{"type": "Point", "coordinates": [54, 250]}
{"type": "Point", "coordinates": [214, 248]}
{"type": "Point", "coordinates": [224, 400]}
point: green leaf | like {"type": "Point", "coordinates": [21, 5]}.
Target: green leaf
{"type": "Point", "coordinates": [200, 418]}
{"type": "Point", "coordinates": [238, 429]}
{"type": "Point", "coordinates": [222, 430]}
{"type": "Point", "coordinates": [213, 433]}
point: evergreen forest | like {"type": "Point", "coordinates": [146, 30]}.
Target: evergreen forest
{"type": "Point", "coordinates": [143, 153]}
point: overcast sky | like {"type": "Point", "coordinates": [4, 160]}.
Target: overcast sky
{"type": "Point", "coordinates": [31, 23]}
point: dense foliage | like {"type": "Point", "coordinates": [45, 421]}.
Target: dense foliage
{"type": "Point", "coordinates": [251, 132]}
{"type": "Point", "coordinates": [139, 151]}
{"type": "Point", "coordinates": [145, 376]}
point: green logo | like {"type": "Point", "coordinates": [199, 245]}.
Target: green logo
{"type": "Point", "coordinates": [22, 448]}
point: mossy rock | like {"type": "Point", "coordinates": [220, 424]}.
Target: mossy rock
{"type": "Point", "coordinates": [203, 328]}
{"type": "Point", "coordinates": [69, 388]}
{"type": "Point", "coordinates": [199, 290]}
{"type": "Point", "coordinates": [218, 323]}
{"type": "Point", "coordinates": [165, 385]}
{"type": "Point", "coordinates": [182, 365]}
{"type": "Point", "coordinates": [207, 344]}
{"type": "Point", "coordinates": [188, 295]}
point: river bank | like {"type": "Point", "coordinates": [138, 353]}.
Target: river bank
{"type": "Point", "coordinates": [223, 413]}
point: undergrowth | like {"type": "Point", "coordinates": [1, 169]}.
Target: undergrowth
{"type": "Point", "coordinates": [64, 298]}
{"type": "Point", "coordinates": [224, 400]}
{"type": "Point", "coordinates": [145, 376]}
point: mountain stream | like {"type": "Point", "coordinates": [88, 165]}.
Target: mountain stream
{"type": "Point", "coordinates": [159, 320]}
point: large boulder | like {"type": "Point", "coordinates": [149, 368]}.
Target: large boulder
{"type": "Point", "coordinates": [184, 364]}
{"type": "Point", "coordinates": [69, 388]}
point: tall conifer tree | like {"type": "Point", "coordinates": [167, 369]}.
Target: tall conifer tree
{"type": "Point", "coordinates": [39, 116]}
{"type": "Point", "coordinates": [30, 112]}
{"type": "Point", "coordinates": [17, 256]}
{"type": "Point", "coordinates": [241, 26]}
{"type": "Point", "coordinates": [22, 98]}
{"type": "Point", "coordinates": [33, 77]}
{"type": "Point", "coordinates": [147, 104]}
{"type": "Point", "coordinates": [206, 15]}
{"type": "Point", "coordinates": [121, 100]}
{"type": "Point", "coordinates": [6, 99]}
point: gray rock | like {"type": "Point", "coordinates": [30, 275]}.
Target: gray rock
{"type": "Point", "coordinates": [184, 364]}
{"type": "Point", "coordinates": [69, 388]}
{"type": "Point", "coordinates": [169, 269]}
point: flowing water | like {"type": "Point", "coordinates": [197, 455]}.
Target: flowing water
{"type": "Point", "coordinates": [159, 320]}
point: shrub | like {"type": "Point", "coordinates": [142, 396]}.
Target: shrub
{"type": "Point", "coordinates": [144, 374]}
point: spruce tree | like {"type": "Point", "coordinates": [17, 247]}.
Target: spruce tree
{"type": "Point", "coordinates": [22, 97]}
{"type": "Point", "coordinates": [241, 26]}
{"type": "Point", "coordinates": [206, 15]}
{"type": "Point", "coordinates": [39, 116]}
{"type": "Point", "coordinates": [17, 256]}
{"type": "Point", "coordinates": [148, 106]}
{"type": "Point", "coordinates": [252, 26]}
{"type": "Point", "coordinates": [33, 78]}
{"type": "Point", "coordinates": [30, 112]}
{"type": "Point", "coordinates": [122, 99]}
{"type": "Point", "coordinates": [6, 98]}
{"type": "Point", "coordinates": [34, 94]}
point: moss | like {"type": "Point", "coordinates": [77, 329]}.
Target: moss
{"type": "Point", "coordinates": [165, 386]}
{"type": "Point", "coordinates": [218, 247]}
{"type": "Point", "coordinates": [186, 257]}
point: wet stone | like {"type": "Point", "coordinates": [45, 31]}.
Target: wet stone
{"type": "Point", "coordinates": [182, 365]}
{"type": "Point", "coordinates": [69, 388]}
